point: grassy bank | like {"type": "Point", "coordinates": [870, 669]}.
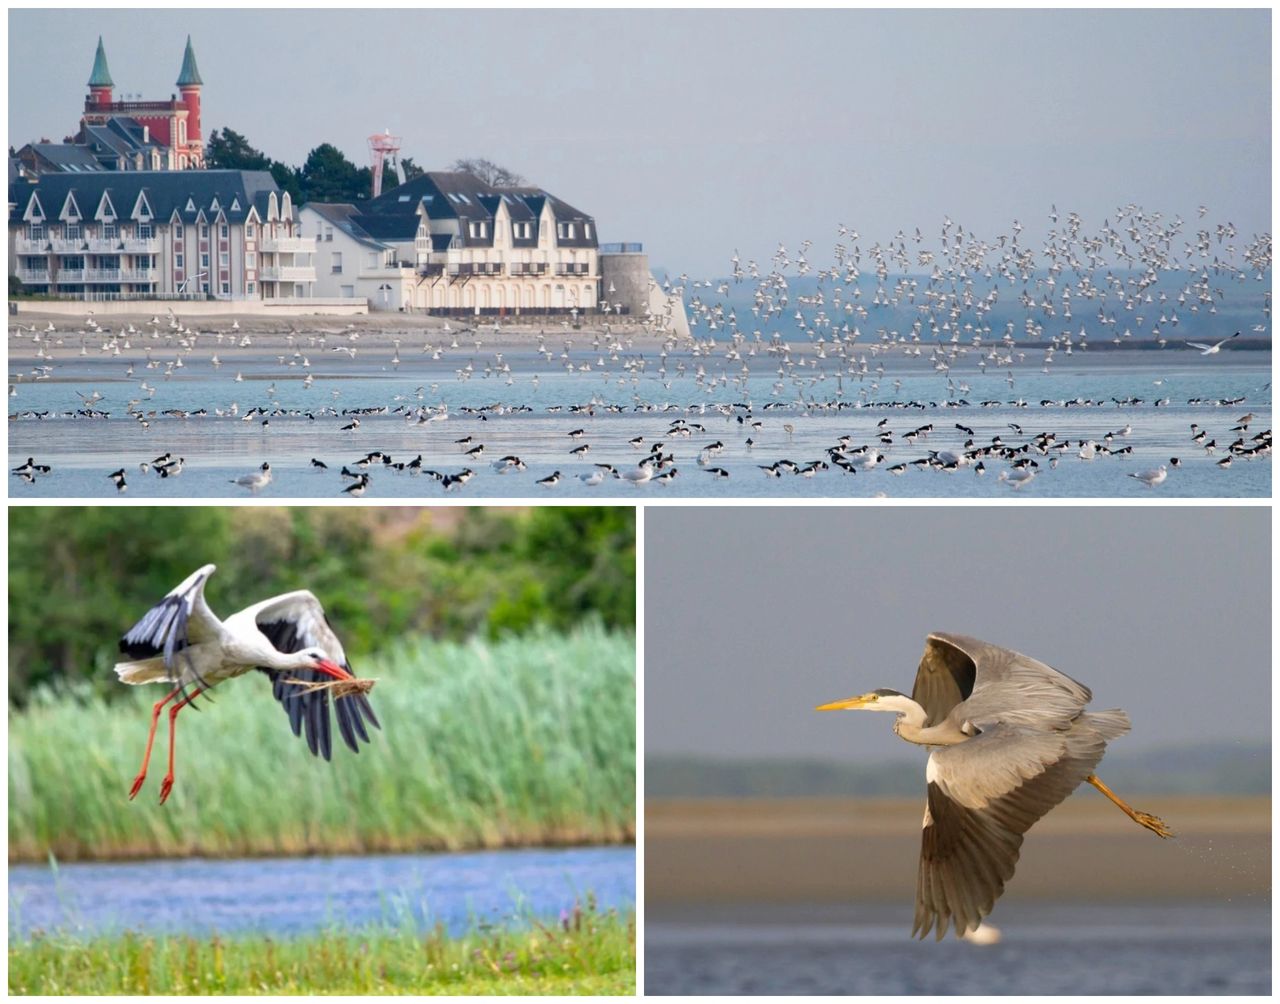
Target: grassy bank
{"type": "Point", "coordinates": [588, 953]}
{"type": "Point", "coordinates": [519, 742]}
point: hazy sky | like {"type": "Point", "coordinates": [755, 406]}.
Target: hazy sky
{"type": "Point", "coordinates": [698, 132]}
{"type": "Point", "coordinates": [755, 615]}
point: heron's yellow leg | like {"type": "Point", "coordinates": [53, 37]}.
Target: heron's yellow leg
{"type": "Point", "coordinates": [1153, 823]}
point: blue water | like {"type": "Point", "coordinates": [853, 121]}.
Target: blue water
{"type": "Point", "coordinates": [289, 896]}
{"type": "Point", "coordinates": [1046, 948]}
{"type": "Point", "coordinates": [1080, 390]}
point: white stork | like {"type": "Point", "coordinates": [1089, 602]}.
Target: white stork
{"type": "Point", "coordinates": [288, 637]}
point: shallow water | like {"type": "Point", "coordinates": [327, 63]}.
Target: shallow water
{"type": "Point", "coordinates": [295, 895]}
{"type": "Point", "coordinates": [1046, 948]}
{"type": "Point", "coordinates": [219, 449]}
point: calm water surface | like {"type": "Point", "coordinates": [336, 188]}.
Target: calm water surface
{"type": "Point", "coordinates": [296, 895]}
{"type": "Point", "coordinates": [1081, 392]}
{"type": "Point", "coordinates": [1047, 948]}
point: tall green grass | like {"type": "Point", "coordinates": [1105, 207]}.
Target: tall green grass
{"type": "Point", "coordinates": [518, 742]}
{"type": "Point", "coordinates": [587, 953]}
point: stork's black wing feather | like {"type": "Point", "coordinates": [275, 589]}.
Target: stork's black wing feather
{"type": "Point", "coordinates": [170, 627]}
{"type": "Point", "coordinates": [309, 710]}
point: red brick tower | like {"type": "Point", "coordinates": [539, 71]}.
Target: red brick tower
{"type": "Point", "coordinates": [189, 83]}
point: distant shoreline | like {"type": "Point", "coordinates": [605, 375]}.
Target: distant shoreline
{"type": "Point", "coordinates": [834, 850]}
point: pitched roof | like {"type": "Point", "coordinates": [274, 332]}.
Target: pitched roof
{"type": "Point", "coordinates": [186, 193]}
{"type": "Point", "coordinates": [101, 76]}
{"type": "Point", "coordinates": [190, 75]}
{"type": "Point", "coordinates": [461, 196]}
{"type": "Point", "coordinates": [347, 218]}
{"type": "Point", "coordinates": [67, 156]}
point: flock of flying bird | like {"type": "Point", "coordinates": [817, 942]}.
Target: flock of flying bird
{"type": "Point", "coordinates": [942, 309]}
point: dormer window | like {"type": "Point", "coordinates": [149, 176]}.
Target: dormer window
{"type": "Point", "coordinates": [565, 231]}
{"type": "Point", "coordinates": [522, 231]}
{"type": "Point", "coordinates": [586, 230]}
{"type": "Point", "coordinates": [479, 228]}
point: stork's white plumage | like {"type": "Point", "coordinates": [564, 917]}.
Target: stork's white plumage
{"type": "Point", "coordinates": [182, 642]}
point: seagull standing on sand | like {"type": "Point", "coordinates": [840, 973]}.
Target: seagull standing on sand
{"type": "Point", "coordinates": [256, 481]}
{"type": "Point", "coordinates": [1153, 477]}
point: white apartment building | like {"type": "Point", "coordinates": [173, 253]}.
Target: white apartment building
{"type": "Point", "coordinates": [448, 243]}
{"type": "Point", "coordinates": [140, 234]}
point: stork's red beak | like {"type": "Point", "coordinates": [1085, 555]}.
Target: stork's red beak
{"type": "Point", "coordinates": [333, 669]}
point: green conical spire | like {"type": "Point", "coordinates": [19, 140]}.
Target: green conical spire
{"type": "Point", "coordinates": [101, 76]}
{"type": "Point", "coordinates": [190, 75]}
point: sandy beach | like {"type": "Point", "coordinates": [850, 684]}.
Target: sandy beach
{"type": "Point", "coordinates": [835, 850]}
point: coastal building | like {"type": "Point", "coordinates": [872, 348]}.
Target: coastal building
{"type": "Point", "coordinates": [445, 242]}
{"type": "Point", "coordinates": [128, 135]}
{"type": "Point", "coordinates": [146, 234]}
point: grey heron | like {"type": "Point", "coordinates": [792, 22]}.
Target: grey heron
{"type": "Point", "coordinates": [1010, 739]}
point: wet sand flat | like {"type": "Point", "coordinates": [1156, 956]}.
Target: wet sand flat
{"type": "Point", "coordinates": [831, 850]}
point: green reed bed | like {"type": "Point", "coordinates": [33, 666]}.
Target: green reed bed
{"type": "Point", "coordinates": [524, 741]}
{"type": "Point", "coordinates": [586, 953]}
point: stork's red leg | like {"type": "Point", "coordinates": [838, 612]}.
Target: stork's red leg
{"type": "Point", "coordinates": [151, 738]}
{"type": "Point", "coordinates": [166, 785]}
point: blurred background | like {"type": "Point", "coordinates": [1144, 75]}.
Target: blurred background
{"type": "Point", "coordinates": [381, 573]}
{"type": "Point", "coordinates": [503, 643]}
{"type": "Point", "coordinates": [781, 845]}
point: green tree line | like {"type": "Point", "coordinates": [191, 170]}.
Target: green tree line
{"type": "Point", "coordinates": [79, 577]}
{"type": "Point", "coordinates": [327, 175]}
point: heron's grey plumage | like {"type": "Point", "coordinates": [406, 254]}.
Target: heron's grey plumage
{"type": "Point", "coordinates": [1022, 742]}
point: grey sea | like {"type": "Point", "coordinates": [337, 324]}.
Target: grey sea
{"type": "Point", "coordinates": [1137, 409]}
{"type": "Point", "coordinates": [1046, 948]}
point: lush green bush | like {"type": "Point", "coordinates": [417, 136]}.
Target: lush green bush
{"type": "Point", "coordinates": [80, 577]}
{"type": "Point", "coordinates": [525, 741]}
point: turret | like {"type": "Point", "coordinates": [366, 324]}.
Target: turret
{"type": "Point", "coordinates": [189, 83]}
{"type": "Point", "coordinates": [100, 83]}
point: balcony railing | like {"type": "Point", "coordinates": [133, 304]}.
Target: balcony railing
{"type": "Point", "coordinates": [62, 245]}
{"type": "Point", "coordinates": [119, 275]}
{"type": "Point", "coordinates": [475, 268]}
{"type": "Point", "coordinates": [25, 245]}
{"type": "Point", "coordinates": [573, 268]}
{"type": "Point", "coordinates": [528, 268]}
{"type": "Point", "coordinates": [142, 245]}
{"type": "Point", "coordinates": [104, 245]}
{"type": "Point", "coordinates": [288, 244]}
{"type": "Point", "coordinates": [33, 274]}
{"type": "Point", "coordinates": [622, 249]}
{"type": "Point", "coordinates": [70, 275]}
{"type": "Point", "coordinates": [287, 273]}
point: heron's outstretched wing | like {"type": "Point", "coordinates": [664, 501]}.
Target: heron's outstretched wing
{"type": "Point", "coordinates": [984, 794]}
{"type": "Point", "coordinates": [1006, 686]}
{"type": "Point", "coordinates": [944, 679]}
{"type": "Point", "coordinates": [292, 622]}
{"type": "Point", "coordinates": [181, 619]}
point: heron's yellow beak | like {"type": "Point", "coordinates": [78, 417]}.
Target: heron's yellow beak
{"type": "Point", "coordinates": [848, 703]}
